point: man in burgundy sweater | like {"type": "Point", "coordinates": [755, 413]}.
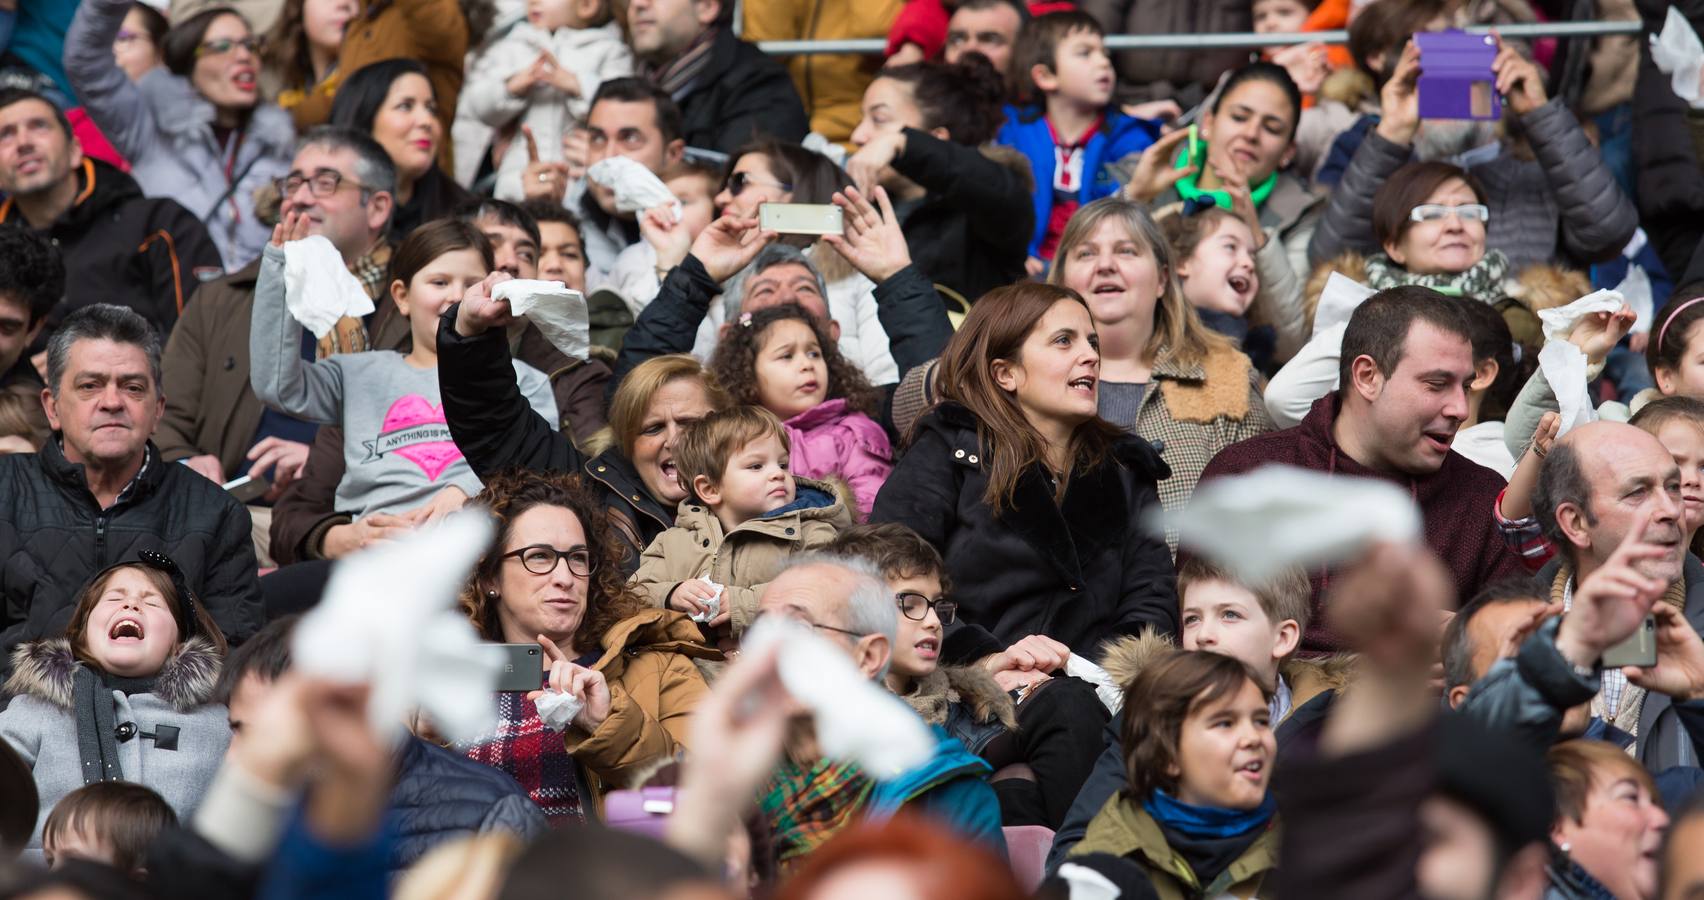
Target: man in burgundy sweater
{"type": "Point", "coordinates": [1407, 362]}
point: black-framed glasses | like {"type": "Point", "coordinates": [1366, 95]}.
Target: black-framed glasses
{"type": "Point", "coordinates": [223, 46]}
{"type": "Point", "coordinates": [323, 183]}
{"type": "Point", "coordinates": [739, 181]}
{"type": "Point", "coordinates": [916, 607]}
{"type": "Point", "coordinates": [541, 559]}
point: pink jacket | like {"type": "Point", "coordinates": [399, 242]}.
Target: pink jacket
{"type": "Point", "coordinates": [829, 441]}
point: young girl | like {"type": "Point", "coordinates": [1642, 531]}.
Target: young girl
{"type": "Point", "coordinates": [781, 359]}
{"type": "Point", "coordinates": [1196, 818]}
{"type": "Point", "coordinates": [125, 695]}
{"type": "Point", "coordinates": [401, 459]}
{"type": "Point", "coordinates": [1214, 249]}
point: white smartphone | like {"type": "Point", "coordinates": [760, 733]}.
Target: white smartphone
{"type": "Point", "coordinates": [800, 218]}
{"type": "Point", "coordinates": [248, 488]}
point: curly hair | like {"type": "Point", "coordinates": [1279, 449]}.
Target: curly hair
{"type": "Point", "coordinates": [33, 273]}
{"type": "Point", "coordinates": [509, 495]}
{"type": "Point", "coordinates": [735, 362]}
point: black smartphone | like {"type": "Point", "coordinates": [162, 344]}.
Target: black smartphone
{"type": "Point", "coordinates": [248, 488]}
{"type": "Point", "coordinates": [523, 667]}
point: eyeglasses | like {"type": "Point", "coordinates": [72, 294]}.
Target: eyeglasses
{"type": "Point", "coordinates": [855, 635]}
{"type": "Point", "coordinates": [541, 559]}
{"type": "Point", "coordinates": [1432, 212]}
{"type": "Point", "coordinates": [322, 183]}
{"type": "Point", "coordinates": [125, 36]}
{"type": "Point", "coordinates": [739, 181]}
{"type": "Point", "coordinates": [916, 607]}
{"type": "Point", "coordinates": [223, 46]}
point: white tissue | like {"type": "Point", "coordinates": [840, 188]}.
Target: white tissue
{"type": "Point", "coordinates": [636, 187]}
{"type": "Point", "coordinates": [1110, 694]}
{"type": "Point", "coordinates": [1338, 300]}
{"type": "Point", "coordinates": [318, 288]}
{"type": "Point", "coordinates": [1561, 320]}
{"type": "Point", "coordinates": [1564, 366]}
{"type": "Point", "coordinates": [1085, 883]}
{"type": "Point", "coordinates": [855, 719]}
{"type": "Point", "coordinates": [1261, 522]}
{"type": "Point", "coordinates": [1636, 288]}
{"type": "Point", "coordinates": [1678, 52]}
{"type": "Point", "coordinates": [558, 310]}
{"type": "Point", "coordinates": [389, 618]}
{"type": "Point", "coordinates": [713, 607]}
{"type": "Point", "coordinates": [820, 144]}
{"type": "Point", "coordinates": [557, 710]}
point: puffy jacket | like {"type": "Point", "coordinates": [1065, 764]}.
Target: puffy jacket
{"type": "Point", "coordinates": [165, 128]}
{"type": "Point", "coordinates": [1080, 570]}
{"type": "Point", "coordinates": [743, 560]}
{"type": "Point", "coordinates": [53, 534]}
{"type": "Point", "coordinates": [441, 795]}
{"type": "Point", "coordinates": [1565, 205]}
{"type": "Point", "coordinates": [1186, 75]}
{"type": "Point", "coordinates": [1125, 830]}
{"type": "Point", "coordinates": [952, 787]}
{"type": "Point", "coordinates": [41, 724]}
{"type": "Point", "coordinates": [1028, 132]}
{"type": "Point", "coordinates": [832, 86]}
{"type": "Point", "coordinates": [742, 93]}
{"type": "Point", "coordinates": [829, 441]}
{"type": "Point", "coordinates": [971, 231]}
{"type": "Point", "coordinates": [120, 247]}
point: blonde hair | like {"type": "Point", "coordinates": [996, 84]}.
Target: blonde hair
{"type": "Point", "coordinates": [707, 444]}
{"type": "Point", "coordinates": [627, 408]}
{"type": "Point", "coordinates": [1178, 330]}
{"type": "Point", "coordinates": [470, 868]}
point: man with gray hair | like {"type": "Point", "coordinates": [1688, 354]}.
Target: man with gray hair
{"type": "Point", "coordinates": [810, 798]}
{"type": "Point", "coordinates": [342, 181]}
{"type": "Point", "coordinates": [99, 492]}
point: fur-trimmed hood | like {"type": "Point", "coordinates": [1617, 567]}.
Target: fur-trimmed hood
{"type": "Point", "coordinates": [1126, 657]}
{"type": "Point", "coordinates": [44, 669]}
{"type": "Point", "coordinates": [1535, 287]}
{"type": "Point", "coordinates": [969, 685]}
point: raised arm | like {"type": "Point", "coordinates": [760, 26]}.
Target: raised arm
{"type": "Point", "coordinates": [281, 378]}
{"type": "Point", "coordinates": [111, 99]}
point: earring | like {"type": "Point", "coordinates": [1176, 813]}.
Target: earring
{"type": "Point", "coordinates": [1565, 847]}
{"type": "Point", "coordinates": [491, 594]}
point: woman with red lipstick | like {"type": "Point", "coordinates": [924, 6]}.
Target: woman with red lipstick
{"type": "Point", "coordinates": [195, 131]}
{"type": "Point", "coordinates": [395, 103]}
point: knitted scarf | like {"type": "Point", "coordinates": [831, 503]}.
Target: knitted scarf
{"type": "Point", "coordinates": [805, 806]}
{"type": "Point", "coordinates": [97, 730]}
{"type": "Point", "coordinates": [676, 76]}
{"type": "Point", "coordinates": [1483, 281]}
{"type": "Point", "coordinates": [1207, 821]}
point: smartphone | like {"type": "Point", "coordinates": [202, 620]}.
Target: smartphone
{"type": "Point", "coordinates": [1640, 648]}
{"type": "Point", "coordinates": [523, 667]}
{"type": "Point", "coordinates": [248, 488]}
{"type": "Point", "coordinates": [800, 218]}
{"type": "Point", "coordinates": [1456, 81]}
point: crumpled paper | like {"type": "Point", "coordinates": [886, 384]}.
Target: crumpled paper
{"type": "Point", "coordinates": [1635, 286]}
{"type": "Point", "coordinates": [636, 187]}
{"type": "Point", "coordinates": [1564, 366]}
{"type": "Point", "coordinates": [855, 718]}
{"type": "Point", "coordinates": [712, 608]}
{"type": "Point", "coordinates": [557, 710]}
{"type": "Point", "coordinates": [1261, 522]}
{"type": "Point", "coordinates": [1084, 883]}
{"type": "Point", "coordinates": [1561, 320]}
{"type": "Point", "coordinates": [1338, 300]}
{"type": "Point", "coordinates": [1678, 52]}
{"type": "Point", "coordinates": [1110, 694]}
{"type": "Point", "coordinates": [318, 288]}
{"type": "Point", "coordinates": [389, 619]}
{"type": "Point", "coordinates": [558, 310]}
{"type": "Point", "coordinates": [820, 144]}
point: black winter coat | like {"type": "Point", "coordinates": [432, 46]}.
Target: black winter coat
{"type": "Point", "coordinates": [120, 247]}
{"type": "Point", "coordinates": [1081, 571]}
{"type": "Point", "coordinates": [53, 536]}
{"type": "Point", "coordinates": [971, 233]}
{"type": "Point", "coordinates": [741, 94]}
{"type": "Point", "coordinates": [1668, 179]}
{"type": "Point", "coordinates": [440, 796]}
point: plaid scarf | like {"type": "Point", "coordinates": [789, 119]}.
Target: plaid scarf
{"type": "Point", "coordinates": [675, 77]}
{"type": "Point", "coordinates": [349, 335]}
{"type": "Point", "coordinates": [534, 756]}
{"type": "Point", "coordinates": [807, 806]}
{"type": "Point", "coordinates": [1483, 281]}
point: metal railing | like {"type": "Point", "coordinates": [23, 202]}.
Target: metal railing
{"type": "Point", "coordinates": [1249, 39]}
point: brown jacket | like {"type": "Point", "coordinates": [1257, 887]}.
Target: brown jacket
{"type": "Point", "coordinates": [742, 560]}
{"type": "Point", "coordinates": [653, 687]}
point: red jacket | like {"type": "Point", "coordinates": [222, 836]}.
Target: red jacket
{"type": "Point", "coordinates": [1455, 503]}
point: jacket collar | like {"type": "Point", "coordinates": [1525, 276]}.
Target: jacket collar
{"type": "Point", "coordinates": [970, 685]}
{"type": "Point", "coordinates": [814, 500]}
{"type": "Point", "coordinates": [112, 185]}
{"type": "Point", "coordinates": [951, 761]}
{"type": "Point", "coordinates": [44, 670]}
{"type": "Point", "coordinates": [70, 475]}
{"type": "Point", "coordinates": [1124, 828]}
{"type": "Point", "coordinates": [657, 630]}
{"type": "Point", "coordinates": [823, 413]}
{"type": "Point", "coordinates": [613, 470]}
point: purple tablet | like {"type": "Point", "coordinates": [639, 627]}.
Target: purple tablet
{"type": "Point", "coordinates": [1455, 76]}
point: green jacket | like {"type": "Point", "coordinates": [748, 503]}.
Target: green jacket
{"type": "Point", "coordinates": [1123, 828]}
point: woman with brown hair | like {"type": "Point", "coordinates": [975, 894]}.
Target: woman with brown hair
{"type": "Point", "coordinates": [554, 576]}
{"type": "Point", "coordinates": [299, 54]}
{"type": "Point", "coordinates": [1036, 503]}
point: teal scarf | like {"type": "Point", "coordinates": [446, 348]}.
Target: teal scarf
{"type": "Point", "coordinates": [1207, 821]}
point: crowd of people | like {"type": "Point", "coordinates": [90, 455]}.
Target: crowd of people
{"type": "Point", "coordinates": [262, 271]}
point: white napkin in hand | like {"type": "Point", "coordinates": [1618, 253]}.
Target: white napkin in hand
{"type": "Point", "coordinates": [318, 288]}
{"type": "Point", "coordinates": [855, 718]}
{"type": "Point", "coordinates": [1561, 320]}
{"type": "Point", "coordinates": [558, 310]}
{"type": "Point", "coordinates": [556, 710]}
{"type": "Point", "coordinates": [1678, 52]}
{"type": "Point", "coordinates": [1110, 694]}
{"type": "Point", "coordinates": [1338, 300]}
{"type": "Point", "coordinates": [1564, 366]}
{"type": "Point", "coordinates": [389, 618]}
{"type": "Point", "coordinates": [1258, 523]}
{"type": "Point", "coordinates": [636, 187]}
{"type": "Point", "coordinates": [1636, 288]}
{"type": "Point", "coordinates": [713, 608]}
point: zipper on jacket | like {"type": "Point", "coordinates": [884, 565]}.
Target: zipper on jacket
{"type": "Point", "coordinates": [100, 538]}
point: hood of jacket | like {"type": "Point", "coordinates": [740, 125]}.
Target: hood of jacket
{"type": "Point", "coordinates": [100, 187]}
{"type": "Point", "coordinates": [44, 669]}
{"type": "Point", "coordinates": [186, 118]}
{"type": "Point", "coordinates": [812, 500]}
{"type": "Point", "coordinates": [1124, 658]}
{"type": "Point", "coordinates": [656, 630]}
{"type": "Point", "coordinates": [969, 685]}
{"type": "Point", "coordinates": [959, 426]}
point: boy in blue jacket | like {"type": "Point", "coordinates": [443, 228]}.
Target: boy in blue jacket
{"type": "Point", "coordinates": [1065, 122]}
